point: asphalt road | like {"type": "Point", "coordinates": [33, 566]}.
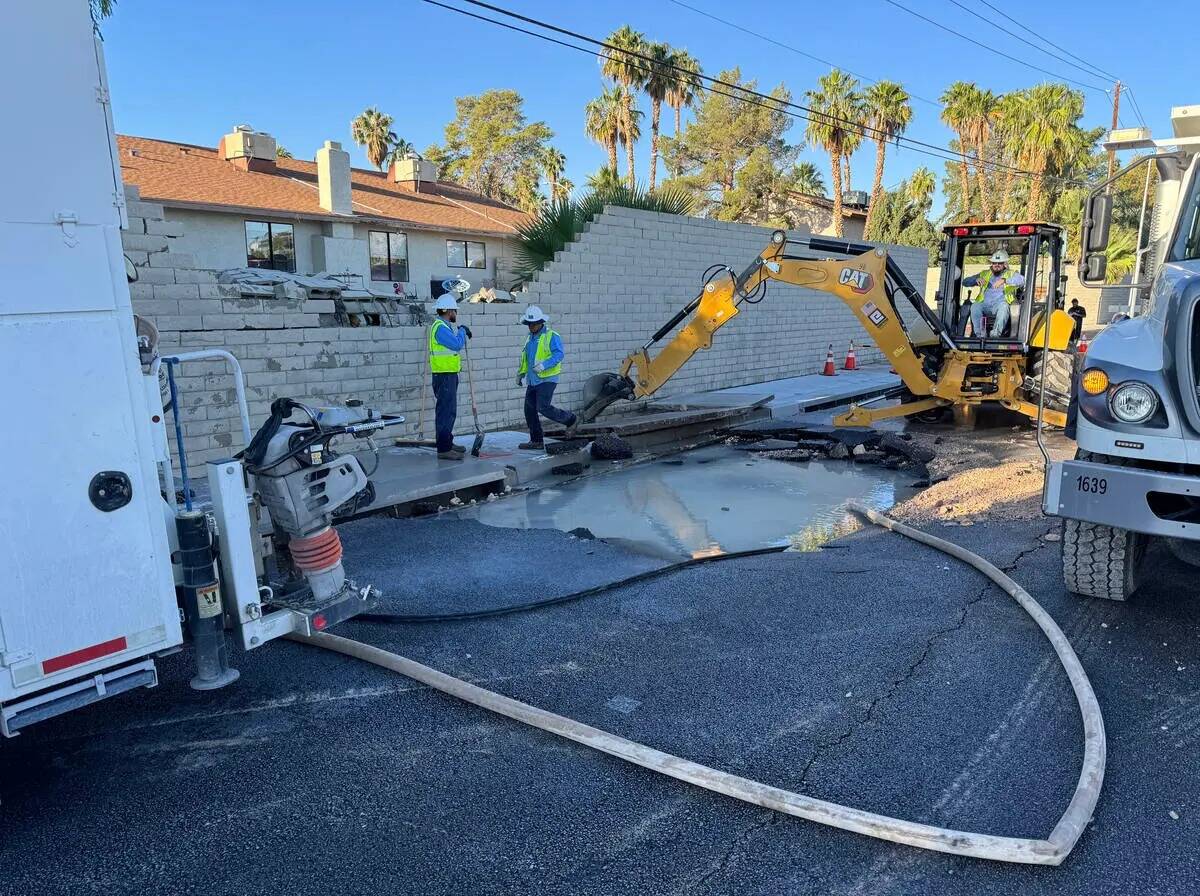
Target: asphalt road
{"type": "Point", "coordinates": [875, 672]}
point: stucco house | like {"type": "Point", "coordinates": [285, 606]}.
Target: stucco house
{"type": "Point", "coordinates": [396, 232]}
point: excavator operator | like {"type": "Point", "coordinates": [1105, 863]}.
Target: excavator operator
{"type": "Point", "coordinates": [998, 291]}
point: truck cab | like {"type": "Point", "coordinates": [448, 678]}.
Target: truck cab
{"type": "Point", "coordinates": [1136, 407]}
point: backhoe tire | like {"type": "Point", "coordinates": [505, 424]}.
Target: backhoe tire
{"type": "Point", "coordinates": [1059, 371]}
{"type": "Point", "coordinates": [1097, 560]}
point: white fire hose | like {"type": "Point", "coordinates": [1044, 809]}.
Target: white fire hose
{"type": "Point", "coordinates": [1051, 851]}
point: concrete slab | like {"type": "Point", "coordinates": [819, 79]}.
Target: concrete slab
{"type": "Point", "coordinates": [409, 474]}
{"type": "Point", "coordinates": [794, 395]}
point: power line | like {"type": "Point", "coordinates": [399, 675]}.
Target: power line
{"type": "Point", "coordinates": [793, 49]}
{"type": "Point", "coordinates": [998, 26]}
{"type": "Point", "coordinates": [990, 49]}
{"type": "Point", "coordinates": [742, 94]}
{"type": "Point", "coordinates": [1096, 69]}
{"type": "Point", "coordinates": [1137, 110]}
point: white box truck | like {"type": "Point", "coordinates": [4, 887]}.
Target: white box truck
{"type": "Point", "coordinates": [106, 565]}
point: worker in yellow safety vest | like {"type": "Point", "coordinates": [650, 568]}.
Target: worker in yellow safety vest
{"type": "Point", "coordinates": [998, 290]}
{"type": "Point", "coordinates": [538, 370]}
{"type": "Point", "coordinates": [446, 340]}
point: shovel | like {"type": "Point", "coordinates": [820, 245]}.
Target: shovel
{"type": "Point", "coordinates": [478, 443]}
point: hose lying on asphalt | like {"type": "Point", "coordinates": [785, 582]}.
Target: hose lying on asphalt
{"type": "Point", "coordinates": [1050, 851]}
{"type": "Point", "coordinates": [401, 619]}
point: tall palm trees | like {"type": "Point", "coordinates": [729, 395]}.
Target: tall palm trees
{"type": "Point", "coordinates": [838, 111]}
{"type": "Point", "coordinates": [620, 63]}
{"type": "Point", "coordinates": [1050, 135]}
{"type": "Point", "coordinates": [660, 75]}
{"type": "Point", "coordinates": [685, 86]}
{"type": "Point", "coordinates": [921, 184]}
{"type": "Point", "coordinates": [807, 179]}
{"type": "Point", "coordinates": [553, 164]}
{"type": "Point", "coordinates": [957, 102]}
{"type": "Point", "coordinates": [602, 121]}
{"type": "Point", "coordinates": [1012, 112]}
{"type": "Point", "coordinates": [981, 115]}
{"type": "Point", "coordinates": [400, 149]}
{"type": "Point", "coordinates": [889, 112]}
{"type": "Point", "coordinates": [372, 130]}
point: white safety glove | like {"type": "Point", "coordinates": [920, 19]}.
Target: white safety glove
{"type": "Point", "coordinates": [540, 367]}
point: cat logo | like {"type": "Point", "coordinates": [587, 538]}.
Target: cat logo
{"type": "Point", "coordinates": [859, 281]}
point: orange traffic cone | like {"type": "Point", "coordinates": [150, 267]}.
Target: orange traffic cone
{"type": "Point", "coordinates": [1082, 345]}
{"type": "Point", "coordinates": [851, 361]}
{"type": "Point", "coordinates": [828, 369]}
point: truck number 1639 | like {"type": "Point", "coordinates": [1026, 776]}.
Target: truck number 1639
{"type": "Point", "coordinates": [1096, 485]}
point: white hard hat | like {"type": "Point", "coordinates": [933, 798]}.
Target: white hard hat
{"type": "Point", "coordinates": [999, 257]}
{"type": "Point", "coordinates": [445, 303]}
{"type": "Point", "coordinates": [532, 315]}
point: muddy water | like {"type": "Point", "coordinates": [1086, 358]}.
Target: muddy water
{"type": "Point", "coordinates": [703, 502]}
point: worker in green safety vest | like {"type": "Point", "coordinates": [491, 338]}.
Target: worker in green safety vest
{"type": "Point", "coordinates": [445, 342]}
{"type": "Point", "coordinates": [538, 370]}
{"type": "Point", "coordinates": [998, 290]}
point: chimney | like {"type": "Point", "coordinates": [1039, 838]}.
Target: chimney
{"type": "Point", "coordinates": [415, 175]}
{"type": "Point", "coordinates": [249, 149]}
{"type": "Point", "coordinates": [333, 178]}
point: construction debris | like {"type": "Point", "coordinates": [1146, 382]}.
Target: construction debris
{"type": "Point", "coordinates": [794, 441]}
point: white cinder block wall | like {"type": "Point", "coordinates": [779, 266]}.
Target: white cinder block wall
{"type": "Point", "coordinates": [605, 294]}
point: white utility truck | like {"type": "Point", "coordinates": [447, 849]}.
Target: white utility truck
{"type": "Point", "coordinates": [1136, 405]}
{"type": "Point", "coordinates": [107, 563]}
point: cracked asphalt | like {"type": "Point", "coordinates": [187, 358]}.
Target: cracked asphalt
{"type": "Point", "coordinates": [875, 672]}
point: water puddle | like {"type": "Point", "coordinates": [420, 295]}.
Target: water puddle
{"type": "Point", "coordinates": [704, 502]}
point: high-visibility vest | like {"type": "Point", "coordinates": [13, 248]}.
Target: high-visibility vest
{"type": "Point", "coordinates": [543, 352]}
{"type": "Point", "coordinates": [1010, 291]}
{"type": "Point", "coordinates": [442, 359]}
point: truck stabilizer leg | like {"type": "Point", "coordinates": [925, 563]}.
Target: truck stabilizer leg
{"type": "Point", "coordinates": [200, 595]}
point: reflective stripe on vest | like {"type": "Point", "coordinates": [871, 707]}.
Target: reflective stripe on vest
{"type": "Point", "coordinates": [442, 359]}
{"type": "Point", "coordinates": [1010, 291]}
{"type": "Point", "coordinates": [543, 352]}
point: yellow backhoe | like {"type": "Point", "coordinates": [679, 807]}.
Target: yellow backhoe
{"type": "Point", "coordinates": [1023, 368]}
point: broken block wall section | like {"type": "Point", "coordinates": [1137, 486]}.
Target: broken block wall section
{"type": "Point", "coordinates": [605, 294]}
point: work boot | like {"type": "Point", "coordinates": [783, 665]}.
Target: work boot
{"type": "Point", "coordinates": [532, 446]}
{"type": "Point", "coordinates": [458, 449]}
{"type": "Point", "coordinates": [450, 455]}
{"type": "Point", "coordinates": [569, 432]}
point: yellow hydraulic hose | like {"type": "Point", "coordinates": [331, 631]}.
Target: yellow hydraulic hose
{"type": "Point", "coordinates": [1050, 851]}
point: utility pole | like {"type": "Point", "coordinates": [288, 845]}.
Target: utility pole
{"type": "Point", "coordinates": [1112, 153]}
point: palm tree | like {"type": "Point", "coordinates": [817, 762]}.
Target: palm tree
{"type": "Point", "coordinates": [956, 113]}
{"type": "Point", "coordinates": [602, 121]}
{"type": "Point", "coordinates": [553, 163]}
{"type": "Point", "coordinates": [605, 180]}
{"type": "Point", "coordinates": [889, 112]}
{"type": "Point", "coordinates": [400, 149]}
{"type": "Point", "coordinates": [372, 130]}
{"type": "Point", "coordinates": [982, 112]}
{"type": "Point", "coordinates": [836, 125]}
{"type": "Point", "coordinates": [281, 152]}
{"type": "Point", "coordinates": [685, 87]}
{"type": "Point", "coordinates": [921, 184]}
{"type": "Point", "coordinates": [620, 63]}
{"type": "Point", "coordinates": [563, 189]}
{"type": "Point", "coordinates": [1012, 121]}
{"type": "Point", "coordinates": [1050, 135]}
{"type": "Point", "coordinates": [806, 179]}
{"type": "Point", "coordinates": [630, 130]}
{"type": "Point", "coordinates": [660, 76]}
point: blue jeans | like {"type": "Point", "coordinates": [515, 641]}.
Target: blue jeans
{"type": "Point", "coordinates": [445, 396]}
{"type": "Point", "coordinates": [998, 312]}
{"type": "Point", "coordinates": [537, 401]}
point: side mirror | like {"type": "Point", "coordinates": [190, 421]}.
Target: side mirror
{"type": "Point", "coordinates": [1097, 217]}
{"type": "Point", "coordinates": [1094, 268]}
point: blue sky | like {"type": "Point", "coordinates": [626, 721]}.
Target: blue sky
{"type": "Point", "coordinates": [303, 69]}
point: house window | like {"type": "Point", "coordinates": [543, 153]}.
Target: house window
{"type": "Point", "coordinates": [389, 256]}
{"type": "Point", "coordinates": [465, 254]}
{"type": "Point", "coordinates": [270, 246]}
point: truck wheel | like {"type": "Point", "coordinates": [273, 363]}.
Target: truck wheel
{"type": "Point", "coordinates": [1098, 560]}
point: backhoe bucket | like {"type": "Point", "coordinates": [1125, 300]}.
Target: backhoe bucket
{"type": "Point", "coordinates": [602, 390]}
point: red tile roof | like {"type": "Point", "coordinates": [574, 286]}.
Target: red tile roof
{"type": "Point", "coordinates": [183, 175]}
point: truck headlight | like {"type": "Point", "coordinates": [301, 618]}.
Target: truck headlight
{"type": "Point", "coordinates": [1133, 402]}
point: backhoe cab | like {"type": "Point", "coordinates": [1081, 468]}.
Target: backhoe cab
{"type": "Point", "coordinates": [941, 362]}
